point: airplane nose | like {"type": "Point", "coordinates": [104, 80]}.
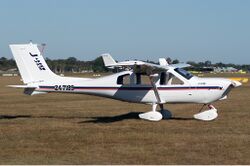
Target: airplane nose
{"type": "Point", "coordinates": [236, 83]}
{"type": "Point", "coordinates": [232, 83]}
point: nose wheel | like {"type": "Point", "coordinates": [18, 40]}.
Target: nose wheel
{"type": "Point", "coordinates": [207, 115]}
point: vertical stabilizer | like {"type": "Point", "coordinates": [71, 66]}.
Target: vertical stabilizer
{"type": "Point", "coordinates": [163, 62]}
{"type": "Point", "coordinates": [108, 60]}
{"type": "Point", "coordinates": [31, 63]}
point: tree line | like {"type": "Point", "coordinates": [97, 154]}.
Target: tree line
{"type": "Point", "coordinates": [72, 64]}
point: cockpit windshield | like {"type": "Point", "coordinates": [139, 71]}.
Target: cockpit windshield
{"type": "Point", "coordinates": [183, 73]}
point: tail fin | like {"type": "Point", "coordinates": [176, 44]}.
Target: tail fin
{"type": "Point", "coordinates": [31, 63]}
{"type": "Point", "coordinates": [163, 62]}
{"type": "Point", "coordinates": [108, 60]}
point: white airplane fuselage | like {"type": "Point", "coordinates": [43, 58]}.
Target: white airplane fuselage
{"type": "Point", "coordinates": [195, 90]}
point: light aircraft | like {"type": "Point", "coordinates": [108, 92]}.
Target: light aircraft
{"type": "Point", "coordinates": [167, 83]}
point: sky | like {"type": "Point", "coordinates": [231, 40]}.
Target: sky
{"type": "Point", "coordinates": [188, 30]}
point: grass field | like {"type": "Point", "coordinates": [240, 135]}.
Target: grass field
{"type": "Point", "coordinates": [80, 129]}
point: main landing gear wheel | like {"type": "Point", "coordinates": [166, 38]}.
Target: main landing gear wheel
{"type": "Point", "coordinates": [207, 115]}
{"type": "Point", "coordinates": [166, 114]}
{"type": "Point", "coordinates": [155, 115]}
{"type": "Point", "coordinates": [151, 115]}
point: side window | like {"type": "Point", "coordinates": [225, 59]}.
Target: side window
{"type": "Point", "coordinates": [126, 79]}
{"type": "Point", "coordinates": [123, 79]}
{"type": "Point", "coordinates": [173, 80]}
{"type": "Point", "coordinates": [183, 73]}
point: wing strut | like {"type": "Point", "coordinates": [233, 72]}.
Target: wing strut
{"type": "Point", "coordinates": [156, 92]}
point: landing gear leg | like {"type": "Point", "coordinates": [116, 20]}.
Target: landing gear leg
{"type": "Point", "coordinates": [202, 107]}
{"type": "Point", "coordinates": [152, 115]}
{"type": "Point", "coordinates": [207, 115]}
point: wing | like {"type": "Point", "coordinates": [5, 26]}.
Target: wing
{"type": "Point", "coordinates": [150, 68]}
{"type": "Point", "coordinates": [140, 66]}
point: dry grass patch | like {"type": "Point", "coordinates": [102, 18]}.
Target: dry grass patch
{"type": "Point", "coordinates": [80, 129]}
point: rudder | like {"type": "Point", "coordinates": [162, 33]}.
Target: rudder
{"type": "Point", "coordinates": [31, 63]}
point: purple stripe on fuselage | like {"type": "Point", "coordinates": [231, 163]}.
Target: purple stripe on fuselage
{"type": "Point", "coordinates": [137, 88]}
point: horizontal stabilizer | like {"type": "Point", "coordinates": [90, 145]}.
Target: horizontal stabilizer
{"type": "Point", "coordinates": [28, 90]}
{"type": "Point", "coordinates": [21, 86]}
{"type": "Point", "coordinates": [32, 91]}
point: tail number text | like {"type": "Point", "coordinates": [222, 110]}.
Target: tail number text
{"type": "Point", "coordinates": [64, 87]}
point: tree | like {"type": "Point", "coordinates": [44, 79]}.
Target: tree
{"type": "Point", "coordinates": [208, 63]}
{"type": "Point", "coordinates": [6, 64]}
{"type": "Point", "coordinates": [71, 60]}
{"type": "Point", "coordinates": [192, 63]}
{"type": "Point", "coordinates": [220, 64]}
{"type": "Point", "coordinates": [71, 64]}
{"type": "Point", "coordinates": [175, 61]}
{"type": "Point", "coordinates": [169, 60]}
{"type": "Point", "coordinates": [98, 65]}
{"type": "Point", "coordinates": [3, 61]}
